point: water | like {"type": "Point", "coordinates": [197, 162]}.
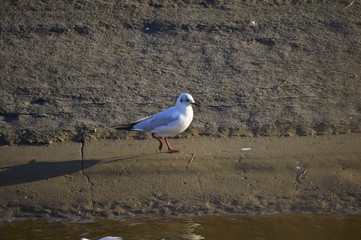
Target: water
{"type": "Point", "coordinates": [294, 226]}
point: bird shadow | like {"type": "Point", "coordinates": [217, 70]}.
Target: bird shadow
{"type": "Point", "coordinates": [36, 171]}
{"type": "Point", "coordinates": [124, 158]}
{"type": "Point", "coordinates": [33, 170]}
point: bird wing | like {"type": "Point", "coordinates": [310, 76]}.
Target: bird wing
{"type": "Point", "coordinates": [158, 120]}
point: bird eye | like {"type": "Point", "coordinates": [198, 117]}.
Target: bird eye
{"type": "Point", "coordinates": [187, 100]}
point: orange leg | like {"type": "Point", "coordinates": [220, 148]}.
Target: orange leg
{"type": "Point", "coordinates": [169, 149]}
{"type": "Point", "coordinates": [160, 142]}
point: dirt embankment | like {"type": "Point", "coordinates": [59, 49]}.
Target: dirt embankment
{"type": "Point", "coordinates": [73, 70]}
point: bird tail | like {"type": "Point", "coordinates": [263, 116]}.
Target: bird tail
{"type": "Point", "coordinates": [129, 126]}
{"type": "Point", "coordinates": [126, 127]}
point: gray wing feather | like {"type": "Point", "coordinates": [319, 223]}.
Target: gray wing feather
{"type": "Point", "coordinates": [158, 120]}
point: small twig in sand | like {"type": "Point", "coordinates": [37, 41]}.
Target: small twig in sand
{"type": "Point", "coordinates": [301, 175]}
{"type": "Point", "coordinates": [349, 5]}
{"type": "Point", "coordinates": [283, 82]}
{"type": "Point", "coordinates": [190, 161]}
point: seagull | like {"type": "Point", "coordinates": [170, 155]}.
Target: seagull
{"type": "Point", "coordinates": [169, 122]}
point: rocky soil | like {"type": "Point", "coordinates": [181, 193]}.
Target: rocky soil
{"type": "Point", "coordinates": [72, 70]}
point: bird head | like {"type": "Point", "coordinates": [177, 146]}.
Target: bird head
{"type": "Point", "coordinates": [185, 99]}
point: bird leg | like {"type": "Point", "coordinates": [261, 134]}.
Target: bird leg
{"type": "Point", "coordinates": [169, 149]}
{"type": "Point", "coordinates": [160, 142]}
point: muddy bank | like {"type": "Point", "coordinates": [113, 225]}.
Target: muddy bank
{"type": "Point", "coordinates": [210, 176]}
{"type": "Point", "coordinates": [73, 70]}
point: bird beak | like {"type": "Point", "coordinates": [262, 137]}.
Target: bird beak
{"type": "Point", "coordinates": [196, 104]}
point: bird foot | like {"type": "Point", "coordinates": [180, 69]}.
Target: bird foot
{"type": "Point", "coordinates": [173, 151]}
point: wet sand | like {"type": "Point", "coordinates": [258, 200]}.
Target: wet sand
{"type": "Point", "coordinates": [210, 176]}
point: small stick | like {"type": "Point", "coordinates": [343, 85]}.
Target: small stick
{"type": "Point", "coordinates": [301, 175]}
{"type": "Point", "coordinates": [190, 161]}
{"type": "Point", "coordinates": [284, 82]}
{"type": "Point", "coordinates": [349, 5]}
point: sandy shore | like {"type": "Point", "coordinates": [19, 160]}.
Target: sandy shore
{"type": "Point", "coordinates": [72, 71]}
{"type": "Point", "coordinates": [210, 176]}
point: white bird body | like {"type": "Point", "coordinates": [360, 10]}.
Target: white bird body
{"type": "Point", "coordinates": [169, 122]}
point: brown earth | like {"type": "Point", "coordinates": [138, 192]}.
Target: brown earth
{"type": "Point", "coordinates": [74, 69]}
{"type": "Point", "coordinates": [254, 175]}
